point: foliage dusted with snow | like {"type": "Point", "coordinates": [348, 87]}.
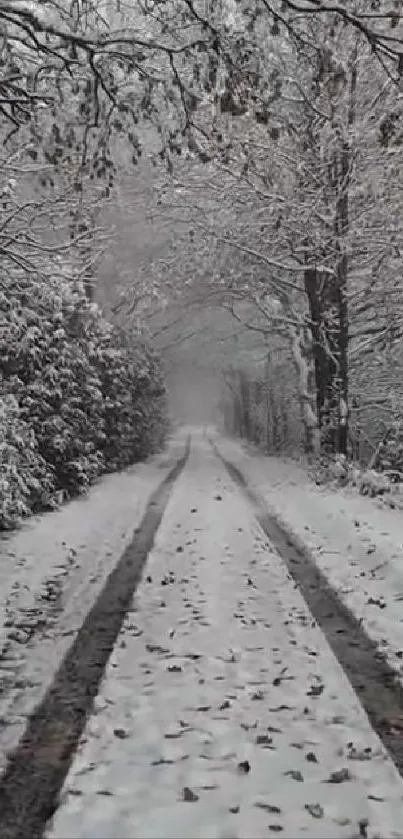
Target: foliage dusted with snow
{"type": "Point", "coordinates": [76, 400]}
{"type": "Point", "coordinates": [26, 480]}
{"type": "Point", "coordinates": [258, 407]}
{"type": "Point", "coordinates": [134, 399]}
{"type": "Point", "coordinates": [390, 455]}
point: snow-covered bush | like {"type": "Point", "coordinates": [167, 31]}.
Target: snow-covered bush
{"type": "Point", "coordinates": [83, 400]}
{"type": "Point", "coordinates": [150, 397]}
{"type": "Point", "coordinates": [338, 469]}
{"type": "Point", "coordinates": [373, 483]}
{"type": "Point", "coordinates": [46, 366]}
{"type": "Point", "coordinates": [134, 398]}
{"type": "Point", "coordinates": [390, 455]}
{"type": "Point", "coordinates": [26, 480]}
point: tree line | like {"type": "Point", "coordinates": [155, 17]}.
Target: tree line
{"type": "Point", "coordinates": [275, 129]}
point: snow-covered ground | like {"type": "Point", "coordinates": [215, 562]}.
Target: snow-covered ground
{"type": "Point", "coordinates": [51, 572]}
{"type": "Point", "coordinates": [355, 541]}
{"type": "Point", "coordinates": [223, 713]}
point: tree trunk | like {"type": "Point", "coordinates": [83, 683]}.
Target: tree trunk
{"type": "Point", "coordinates": [284, 424]}
{"type": "Point", "coordinates": [300, 352]}
{"type": "Point", "coordinates": [323, 368]}
{"type": "Point", "coordinates": [327, 294]}
{"type": "Point", "coordinates": [245, 406]}
{"type": "Point", "coordinates": [341, 229]}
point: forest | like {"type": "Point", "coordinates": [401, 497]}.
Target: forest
{"type": "Point", "coordinates": [206, 183]}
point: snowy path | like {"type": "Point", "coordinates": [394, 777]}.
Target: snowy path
{"type": "Point", "coordinates": [223, 712]}
{"type": "Point", "coordinates": [356, 542]}
{"type": "Point", "coordinates": [52, 571]}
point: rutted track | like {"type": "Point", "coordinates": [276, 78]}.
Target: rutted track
{"type": "Point", "coordinates": [36, 770]}
{"type": "Point", "coordinates": [380, 694]}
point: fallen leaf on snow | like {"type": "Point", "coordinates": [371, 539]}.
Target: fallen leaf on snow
{"type": "Point", "coordinates": [338, 719]}
{"type": "Point", "coordinates": [295, 774]}
{"type": "Point", "coordinates": [279, 679]}
{"type": "Point", "coordinates": [162, 761]}
{"type": "Point", "coordinates": [189, 795]}
{"type": "Point", "coordinates": [257, 695]}
{"type": "Point", "coordinates": [244, 766]}
{"type": "Point", "coordinates": [263, 740]}
{"type": "Point", "coordinates": [377, 601]}
{"type": "Point", "coordinates": [315, 810]}
{"type": "Point", "coordinates": [156, 648]}
{"type": "Point", "coordinates": [280, 708]}
{"type": "Point", "coordinates": [247, 726]}
{"type": "Point", "coordinates": [359, 754]}
{"type": "Point", "coordinates": [269, 808]}
{"type": "Point", "coordinates": [315, 690]}
{"type": "Point", "coordinates": [340, 776]}
{"type": "Point", "coordinates": [120, 733]}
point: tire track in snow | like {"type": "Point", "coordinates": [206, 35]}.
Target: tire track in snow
{"type": "Point", "coordinates": [373, 680]}
{"type": "Point", "coordinates": [223, 712]}
{"type": "Point", "coordinates": [36, 769]}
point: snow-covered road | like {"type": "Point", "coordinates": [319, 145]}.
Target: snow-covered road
{"type": "Point", "coordinates": [223, 712]}
{"type": "Point", "coordinates": [356, 541]}
{"type": "Point", "coordinates": [51, 572]}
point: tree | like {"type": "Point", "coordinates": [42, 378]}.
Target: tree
{"type": "Point", "coordinates": [300, 192]}
{"type": "Point", "coordinates": [25, 483]}
{"type": "Point", "coordinates": [269, 101]}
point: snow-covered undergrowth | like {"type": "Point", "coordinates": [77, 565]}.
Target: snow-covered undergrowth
{"type": "Point", "coordinates": [51, 572]}
{"type": "Point", "coordinates": [77, 397]}
{"type": "Point", "coordinates": [223, 712]}
{"type": "Point", "coordinates": [356, 541]}
{"type": "Point", "coordinates": [387, 485]}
